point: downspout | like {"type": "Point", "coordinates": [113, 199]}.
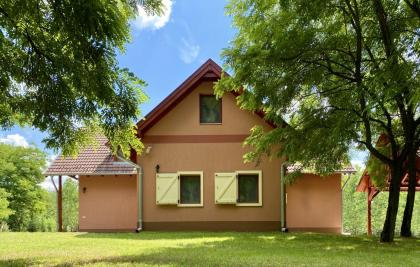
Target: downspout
{"type": "Point", "coordinates": [139, 193]}
{"type": "Point", "coordinates": [140, 200]}
{"type": "Point", "coordinates": [283, 198]}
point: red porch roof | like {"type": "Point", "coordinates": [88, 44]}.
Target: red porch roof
{"type": "Point", "coordinates": [366, 182]}
{"type": "Point", "coordinates": [91, 161]}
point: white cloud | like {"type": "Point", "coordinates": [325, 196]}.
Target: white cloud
{"type": "Point", "coordinates": [188, 51]}
{"type": "Point", "coordinates": [154, 22]}
{"type": "Point", "coordinates": [15, 139]}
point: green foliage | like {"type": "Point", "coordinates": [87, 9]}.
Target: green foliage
{"type": "Point", "coordinates": [355, 209]}
{"type": "Point", "coordinates": [5, 211]}
{"type": "Point", "coordinates": [59, 73]}
{"type": "Point", "coordinates": [377, 170]}
{"type": "Point", "coordinates": [331, 75]}
{"type": "Point", "coordinates": [70, 205]}
{"type": "Point", "coordinates": [20, 174]}
{"type": "Point", "coordinates": [321, 73]}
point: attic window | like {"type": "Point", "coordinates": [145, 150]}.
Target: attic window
{"type": "Point", "coordinates": [210, 110]}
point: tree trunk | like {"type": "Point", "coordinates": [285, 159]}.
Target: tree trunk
{"type": "Point", "coordinates": [411, 194]}
{"type": "Point", "coordinates": [388, 230]}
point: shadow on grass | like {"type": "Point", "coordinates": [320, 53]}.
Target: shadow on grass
{"type": "Point", "coordinates": [19, 262]}
{"type": "Point", "coordinates": [248, 249]}
{"type": "Point", "coordinates": [148, 235]}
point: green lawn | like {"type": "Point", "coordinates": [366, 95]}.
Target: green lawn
{"type": "Point", "coordinates": [203, 249]}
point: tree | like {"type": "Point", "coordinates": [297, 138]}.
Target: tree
{"type": "Point", "coordinates": [59, 73]}
{"type": "Point", "coordinates": [330, 75]}
{"type": "Point", "coordinates": [20, 174]}
{"type": "Point", "coordinates": [411, 194]}
{"type": "Point", "coordinates": [70, 205]}
{"type": "Point", "coordinates": [5, 211]}
{"type": "Point", "coordinates": [41, 219]}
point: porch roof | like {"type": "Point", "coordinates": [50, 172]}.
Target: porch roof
{"type": "Point", "coordinates": [91, 161]}
{"type": "Point", "coordinates": [298, 167]}
{"type": "Point", "coordinates": [365, 182]}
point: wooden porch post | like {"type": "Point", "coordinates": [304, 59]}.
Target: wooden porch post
{"type": "Point", "coordinates": [60, 205]}
{"type": "Point", "coordinates": [369, 208]}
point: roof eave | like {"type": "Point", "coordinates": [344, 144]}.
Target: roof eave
{"type": "Point", "coordinates": [81, 173]}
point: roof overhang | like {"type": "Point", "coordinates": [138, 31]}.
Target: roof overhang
{"type": "Point", "coordinates": [298, 167]}
{"type": "Point", "coordinates": [87, 174]}
{"type": "Point", "coordinates": [92, 161]}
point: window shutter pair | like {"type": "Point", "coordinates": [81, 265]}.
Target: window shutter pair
{"type": "Point", "coordinates": [226, 188]}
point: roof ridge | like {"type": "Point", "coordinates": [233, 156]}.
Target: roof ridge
{"type": "Point", "coordinates": [179, 93]}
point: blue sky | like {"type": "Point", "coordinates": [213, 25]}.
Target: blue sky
{"type": "Point", "coordinates": [164, 51]}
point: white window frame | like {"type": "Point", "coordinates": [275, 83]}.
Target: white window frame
{"type": "Point", "coordinates": [200, 173]}
{"type": "Point", "coordinates": [260, 196]}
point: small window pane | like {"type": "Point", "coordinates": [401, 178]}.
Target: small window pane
{"type": "Point", "coordinates": [248, 188]}
{"type": "Point", "coordinates": [210, 109]}
{"type": "Point", "coordinates": [190, 189]}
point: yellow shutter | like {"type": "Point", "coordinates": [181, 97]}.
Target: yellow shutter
{"type": "Point", "coordinates": [225, 188]}
{"type": "Point", "coordinates": [167, 188]}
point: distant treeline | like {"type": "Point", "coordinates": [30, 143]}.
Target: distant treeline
{"type": "Point", "coordinates": [24, 204]}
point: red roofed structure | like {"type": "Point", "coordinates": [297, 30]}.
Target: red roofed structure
{"type": "Point", "coordinates": [366, 185]}
{"type": "Point", "coordinates": [91, 161]}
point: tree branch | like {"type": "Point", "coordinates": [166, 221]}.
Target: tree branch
{"type": "Point", "coordinates": [415, 7]}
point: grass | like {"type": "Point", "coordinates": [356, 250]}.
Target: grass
{"type": "Point", "coordinates": [203, 249]}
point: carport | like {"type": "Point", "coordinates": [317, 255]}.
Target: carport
{"type": "Point", "coordinates": [366, 185]}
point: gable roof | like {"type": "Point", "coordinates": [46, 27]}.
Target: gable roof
{"type": "Point", "coordinates": [365, 182]}
{"type": "Point", "coordinates": [91, 161]}
{"type": "Point", "coordinates": [209, 71]}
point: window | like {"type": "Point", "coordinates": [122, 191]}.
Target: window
{"type": "Point", "coordinates": [210, 109]}
{"type": "Point", "coordinates": [243, 188]}
{"type": "Point", "coordinates": [184, 189]}
{"type": "Point", "coordinates": [248, 188]}
{"type": "Point", "coordinates": [190, 189]}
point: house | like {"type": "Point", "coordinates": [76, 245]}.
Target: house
{"type": "Point", "coordinates": [192, 176]}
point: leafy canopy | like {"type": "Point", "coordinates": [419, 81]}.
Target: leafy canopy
{"type": "Point", "coordinates": [20, 174]}
{"type": "Point", "coordinates": [59, 73]}
{"type": "Point", "coordinates": [5, 211]}
{"type": "Point", "coordinates": [324, 74]}
{"type": "Point", "coordinates": [70, 205]}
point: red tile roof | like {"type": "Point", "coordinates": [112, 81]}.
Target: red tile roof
{"type": "Point", "coordinates": [91, 161]}
{"type": "Point", "coordinates": [298, 167]}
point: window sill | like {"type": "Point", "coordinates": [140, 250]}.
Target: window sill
{"type": "Point", "coordinates": [249, 204]}
{"type": "Point", "coordinates": [210, 123]}
{"type": "Point", "coordinates": [190, 205]}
